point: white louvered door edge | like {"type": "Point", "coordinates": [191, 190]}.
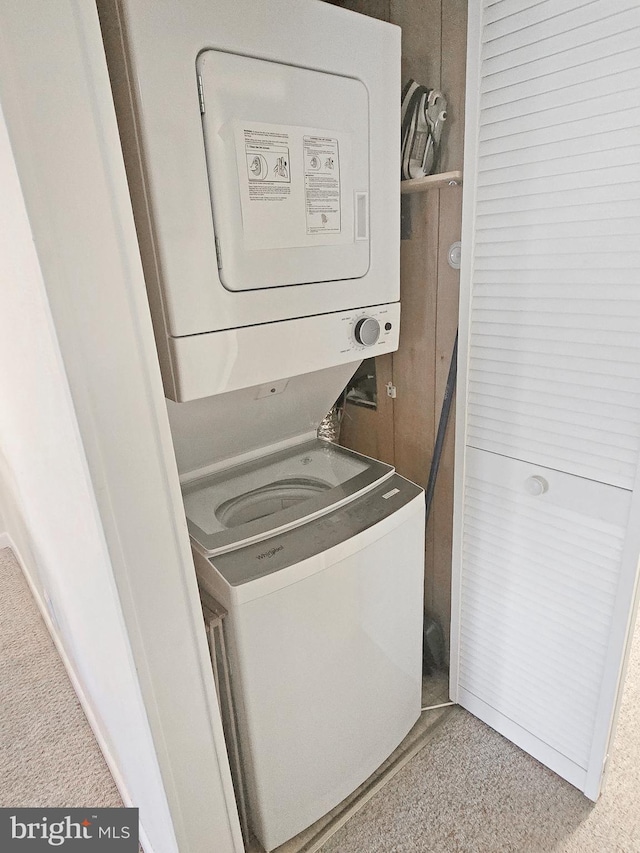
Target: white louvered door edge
{"type": "Point", "coordinates": [549, 381]}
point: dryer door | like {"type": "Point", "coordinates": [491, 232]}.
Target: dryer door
{"type": "Point", "coordinates": [288, 163]}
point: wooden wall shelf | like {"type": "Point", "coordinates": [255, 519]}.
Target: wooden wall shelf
{"type": "Point", "coordinates": [431, 182]}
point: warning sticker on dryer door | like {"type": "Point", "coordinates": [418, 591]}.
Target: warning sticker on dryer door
{"type": "Point", "coordinates": [291, 182]}
{"type": "Point", "coordinates": [268, 164]}
{"type": "Point", "coordinates": [322, 184]}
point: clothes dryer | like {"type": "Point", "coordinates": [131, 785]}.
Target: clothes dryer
{"type": "Point", "coordinates": [262, 153]}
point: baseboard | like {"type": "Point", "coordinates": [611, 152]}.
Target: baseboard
{"type": "Point", "coordinates": [7, 542]}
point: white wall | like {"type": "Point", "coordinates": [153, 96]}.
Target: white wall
{"type": "Point", "coordinates": [89, 484]}
{"type": "Point", "coordinates": [51, 515]}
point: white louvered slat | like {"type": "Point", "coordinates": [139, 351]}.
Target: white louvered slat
{"type": "Point", "coordinates": [575, 79]}
{"type": "Point", "coordinates": [523, 373]}
{"type": "Point", "coordinates": [557, 386]}
{"type": "Point", "coordinates": [568, 165]}
{"type": "Point", "coordinates": [554, 244]}
{"type": "Point", "coordinates": [524, 200]}
{"type": "Point", "coordinates": [536, 610]}
{"type": "Point", "coordinates": [487, 557]}
{"type": "Point", "coordinates": [585, 299]}
{"type": "Point", "coordinates": [564, 44]}
{"type": "Point", "coordinates": [584, 55]}
{"type": "Point", "coordinates": [566, 183]}
{"type": "Point", "coordinates": [500, 401]}
{"type": "Point", "coordinates": [496, 10]}
{"type": "Point", "coordinates": [600, 141]}
{"type": "Point", "coordinates": [575, 229]}
{"type": "Point", "coordinates": [569, 24]}
{"type": "Point", "coordinates": [584, 551]}
{"type": "Point", "coordinates": [576, 260]}
{"type": "Point", "coordinates": [554, 419]}
{"type": "Point", "coordinates": [564, 398]}
{"type": "Point", "coordinates": [577, 128]}
{"type": "Point", "coordinates": [541, 103]}
{"type": "Point", "coordinates": [510, 18]}
{"type": "Point", "coordinates": [600, 212]}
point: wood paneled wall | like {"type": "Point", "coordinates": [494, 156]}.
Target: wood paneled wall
{"type": "Point", "coordinates": [403, 430]}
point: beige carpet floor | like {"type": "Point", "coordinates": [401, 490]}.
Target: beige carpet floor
{"type": "Point", "coordinates": [48, 754]}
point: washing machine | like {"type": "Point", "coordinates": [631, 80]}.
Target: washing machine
{"type": "Point", "coordinates": [317, 554]}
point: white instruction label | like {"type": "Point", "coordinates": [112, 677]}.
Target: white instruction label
{"type": "Point", "coordinates": [322, 184]}
{"type": "Point", "coordinates": [268, 164]}
{"type": "Point", "coordinates": [291, 185]}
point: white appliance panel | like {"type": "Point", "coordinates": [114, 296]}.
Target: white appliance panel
{"type": "Point", "coordinates": [327, 664]}
{"type": "Point", "coordinates": [287, 151]}
{"type": "Point", "coordinates": [241, 358]}
{"type": "Point", "coordinates": [208, 433]}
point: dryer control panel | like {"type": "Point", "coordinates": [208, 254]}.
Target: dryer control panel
{"type": "Point", "coordinates": [241, 358]}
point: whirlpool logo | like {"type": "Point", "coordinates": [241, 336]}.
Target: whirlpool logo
{"type": "Point", "coordinates": [73, 829]}
{"type": "Point", "coordinates": [270, 553]}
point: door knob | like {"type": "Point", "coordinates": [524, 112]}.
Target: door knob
{"type": "Point", "coordinates": [536, 485]}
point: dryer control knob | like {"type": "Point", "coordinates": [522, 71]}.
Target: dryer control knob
{"type": "Point", "coordinates": [367, 331]}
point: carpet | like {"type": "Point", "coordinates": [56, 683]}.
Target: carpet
{"type": "Point", "coordinates": [48, 754]}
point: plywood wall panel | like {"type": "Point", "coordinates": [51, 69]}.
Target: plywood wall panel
{"type": "Point", "coordinates": [373, 8]}
{"type": "Point", "coordinates": [421, 39]}
{"type": "Point", "coordinates": [441, 521]}
{"type": "Point", "coordinates": [454, 51]}
{"type": "Point", "coordinates": [386, 410]}
{"type": "Point", "coordinates": [414, 362]}
{"type": "Point", "coordinates": [368, 431]}
{"type": "Point", "coordinates": [359, 430]}
{"type": "Point", "coordinates": [454, 45]}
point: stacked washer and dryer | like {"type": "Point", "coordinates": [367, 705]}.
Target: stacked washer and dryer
{"type": "Point", "coordinates": [262, 150]}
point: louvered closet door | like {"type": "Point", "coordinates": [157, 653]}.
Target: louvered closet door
{"type": "Point", "coordinates": [547, 507]}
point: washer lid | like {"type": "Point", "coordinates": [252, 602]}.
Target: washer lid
{"type": "Point", "coordinates": [250, 502]}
